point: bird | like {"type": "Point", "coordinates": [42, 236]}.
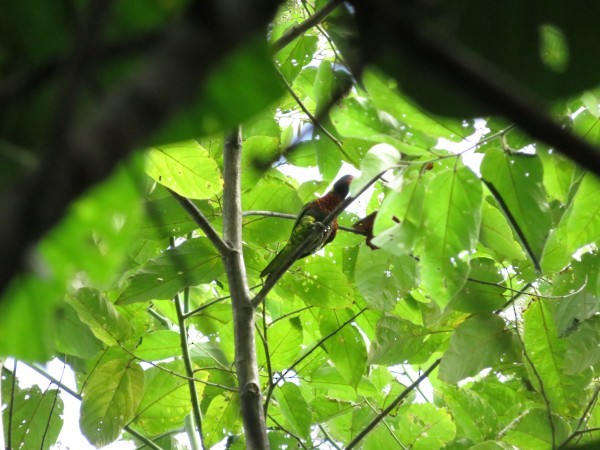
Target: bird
{"type": "Point", "coordinates": [309, 217]}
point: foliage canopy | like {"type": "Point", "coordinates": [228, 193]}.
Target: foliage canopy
{"type": "Point", "coordinates": [486, 271]}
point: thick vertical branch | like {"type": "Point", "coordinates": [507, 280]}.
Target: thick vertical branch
{"type": "Point", "coordinates": [243, 312]}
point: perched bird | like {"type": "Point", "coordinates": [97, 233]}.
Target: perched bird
{"type": "Point", "coordinates": [312, 213]}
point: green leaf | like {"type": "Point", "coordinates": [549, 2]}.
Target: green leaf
{"type": "Point", "coordinates": [583, 347]}
{"type": "Point", "coordinates": [193, 262]}
{"type": "Point", "coordinates": [321, 282]}
{"type": "Point", "coordinates": [166, 218]}
{"type": "Point", "coordinates": [270, 196]}
{"type": "Point", "coordinates": [295, 409]}
{"type": "Point", "coordinates": [285, 340]}
{"type": "Point", "coordinates": [546, 352]}
{"type": "Point", "coordinates": [383, 280]}
{"type": "Point", "coordinates": [221, 418]}
{"type": "Point", "coordinates": [518, 180]}
{"type": "Point", "coordinates": [357, 118]}
{"type": "Point", "coordinates": [166, 400]}
{"type": "Point", "coordinates": [187, 168]}
{"type": "Point", "coordinates": [400, 341]}
{"type": "Point", "coordinates": [326, 408]}
{"type": "Point", "coordinates": [378, 159]}
{"type": "Point", "coordinates": [73, 336]}
{"type": "Point", "coordinates": [477, 343]}
{"type": "Point", "coordinates": [483, 291]}
{"type": "Point", "coordinates": [346, 347]}
{"type": "Point", "coordinates": [160, 344]}
{"type": "Point", "coordinates": [324, 85]}
{"type": "Point", "coordinates": [532, 431]}
{"type": "Point", "coordinates": [101, 316]}
{"type": "Point", "coordinates": [405, 204]}
{"type": "Point", "coordinates": [452, 219]}
{"type": "Point", "coordinates": [385, 96]}
{"type": "Point", "coordinates": [36, 418]}
{"type": "Point", "coordinates": [579, 225]}
{"type": "Point", "coordinates": [559, 173]}
{"type": "Point", "coordinates": [497, 235]}
{"type": "Point", "coordinates": [424, 427]}
{"type": "Point", "coordinates": [329, 379]}
{"type": "Point", "coordinates": [474, 416]}
{"type": "Point", "coordinates": [110, 398]}
{"type": "Point", "coordinates": [293, 57]}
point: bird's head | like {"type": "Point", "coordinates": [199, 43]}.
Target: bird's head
{"type": "Point", "coordinates": [342, 186]}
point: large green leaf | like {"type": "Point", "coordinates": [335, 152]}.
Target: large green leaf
{"type": "Point", "coordinates": [386, 97]}
{"type": "Point", "coordinates": [474, 417]}
{"type": "Point", "coordinates": [346, 347]}
{"type": "Point", "coordinates": [160, 344]}
{"type": "Point", "coordinates": [579, 225]}
{"type": "Point", "coordinates": [166, 400]}
{"type": "Point", "coordinates": [73, 336]}
{"type": "Point", "coordinates": [295, 409]}
{"type": "Point", "coordinates": [547, 361]}
{"type": "Point", "coordinates": [193, 262]}
{"type": "Point", "coordinates": [101, 316]}
{"type": "Point", "coordinates": [497, 235]}
{"type": "Point", "coordinates": [477, 343]}
{"type": "Point", "coordinates": [424, 427]}
{"type": "Point", "coordinates": [36, 418]}
{"type": "Point", "coordinates": [221, 418]}
{"type": "Point", "coordinates": [383, 279]}
{"type": "Point", "coordinates": [398, 222]}
{"type": "Point", "coordinates": [321, 282]}
{"type": "Point", "coordinates": [187, 168]}
{"type": "Point", "coordinates": [400, 341]}
{"type": "Point", "coordinates": [484, 289]}
{"type": "Point", "coordinates": [451, 230]}
{"type": "Point", "coordinates": [285, 340]}
{"type": "Point", "coordinates": [583, 347]}
{"type": "Point", "coordinates": [533, 431]}
{"type": "Point", "coordinates": [517, 179]}
{"type": "Point", "coordinates": [357, 118]}
{"type": "Point", "coordinates": [110, 398]}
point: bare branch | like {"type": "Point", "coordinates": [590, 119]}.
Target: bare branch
{"type": "Point", "coordinates": [202, 222]}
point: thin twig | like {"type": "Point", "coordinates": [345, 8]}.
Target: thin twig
{"type": "Point", "coordinates": [281, 215]}
{"type": "Point", "coordinates": [202, 222]}
{"type": "Point", "coordinates": [189, 369]}
{"type": "Point", "coordinates": [391, 406]}
{"type": "Point", "coordinates": [328, 438]}
{"type": "Point", "coordinates": [316, 122]}
{"type": "Point", "coordinates": [582, 419]}
{"type": "Point", "coordinates": [295, 436]}
{"type": "Point", "coordinates": [301, 28]}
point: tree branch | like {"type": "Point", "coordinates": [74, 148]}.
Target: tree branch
{"type": "Point", "coordinates": [189, 369]}
{"type": "Point", "coordinates": [287, 263]}
{"type": "Point", "coordinates": [281, 215]}
{"type": "Point", "coordinates": [202, 223]}
{"type": "Point", "coordinates": [392, 405]}
{"type": "Point", "coordinates": [243, 313]}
